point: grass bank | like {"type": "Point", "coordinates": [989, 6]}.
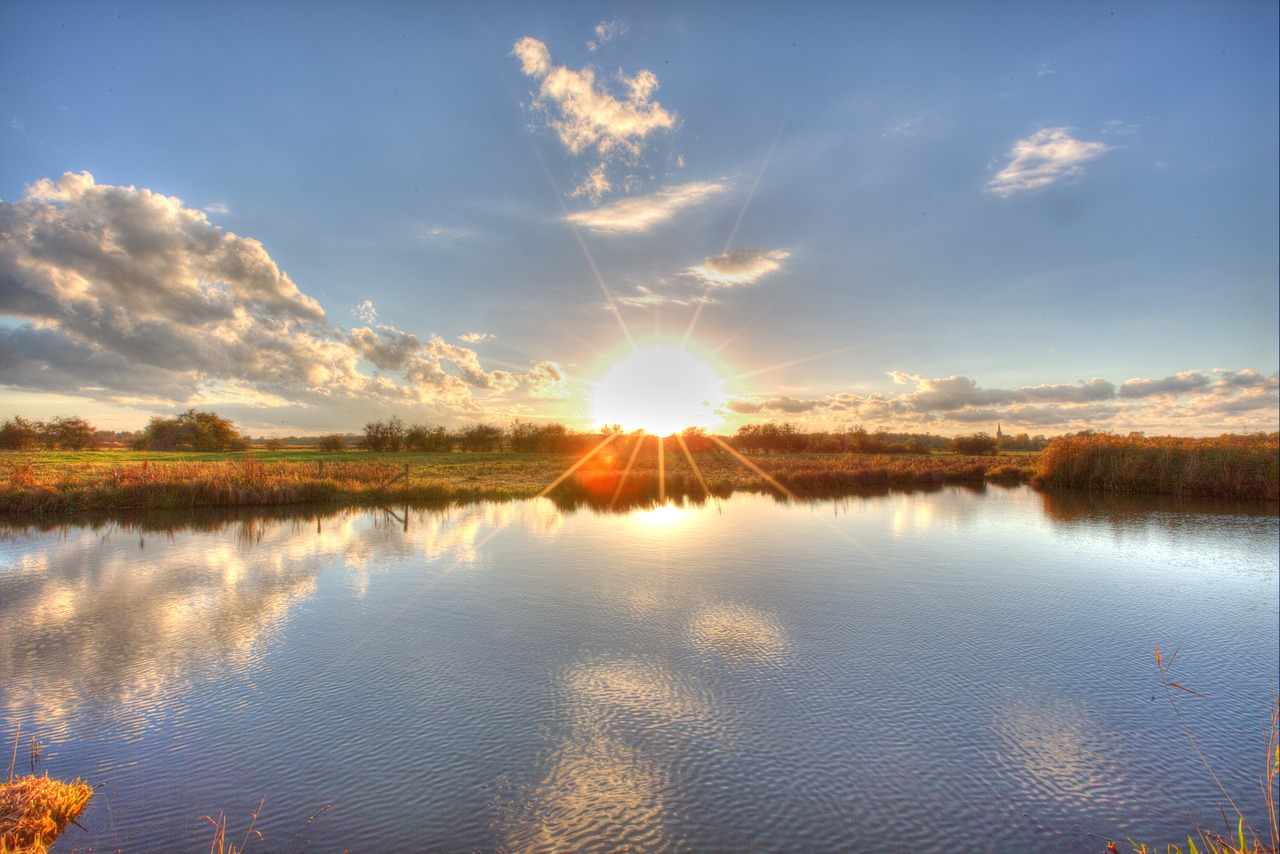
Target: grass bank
{"type": "Point", "coordinates": [59, 483]}
{"type": "Point", "coordinates": [1230, 466]}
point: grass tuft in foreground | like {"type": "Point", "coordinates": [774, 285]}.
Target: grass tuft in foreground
{"type": "Point", "coordinates": [35, 810]}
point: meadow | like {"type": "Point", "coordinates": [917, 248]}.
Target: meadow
{"type": "Point", "coordinates": [62, 482]}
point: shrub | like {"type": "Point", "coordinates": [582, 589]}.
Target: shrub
{"type": "Point", "coordinates": [979, 444]}
{"type": "Point", "coordinates": [191, 431]}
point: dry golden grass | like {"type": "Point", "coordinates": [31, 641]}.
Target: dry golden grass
{"type": "Point", "coordinates": [35, 810]}
{"type": "Point", "coordinates": [55, 483]}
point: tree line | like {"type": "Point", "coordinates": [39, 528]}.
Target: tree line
{"type": "Point", "coordinates": [209, 432]}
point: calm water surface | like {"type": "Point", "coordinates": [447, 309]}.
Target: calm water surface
{"type": "Point", "coordinates": [952, 670]}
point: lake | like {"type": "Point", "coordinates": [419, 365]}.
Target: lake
{"type": "Point", "coordinates": [958, 669]}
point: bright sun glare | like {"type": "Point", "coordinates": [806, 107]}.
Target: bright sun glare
{"type": "Point", "coordinates": [659, 390]}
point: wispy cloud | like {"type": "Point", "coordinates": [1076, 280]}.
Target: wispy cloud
{"type": "Point", "coordinates": [1045, 157]}
{"type": "Point", "coordinates": [607, 31]}
{"type": "Point", "coordinates": [126, 295]}
{"type": "Point", "coordinates": [594, 186]}
{"type": "Point", "coordinates": [217, 209]}
{"type": "Point", "coordinates": [642, 213]}
{"type": "Point", "coordinates": [436, 232]}
{"type": "Point", "coordinates": [739, 267]}
{"type": "Point", "coordinates": [584, 114]}
{"type": "Point", "coordinates": [475, 337]}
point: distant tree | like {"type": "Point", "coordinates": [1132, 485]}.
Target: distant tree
{"type": "Point", "coordinates": [481, 437]}
{"type": "Point", "coordinates": [428, 438]}
{"type": "Point", "coordinates": [979, 444]}
{"type": "Point", "coordinates": [331, 442]}
{"type": "Point", "coordinates": [384, 435]}
{"type": "Point", "coordinates": [696, 440]}
{"type": "Point", "coordinates": [191, 431]}
{"type": "Point", "coordinates": [19, 434]}
{"type": "Point", "coordinates": [69, 434]}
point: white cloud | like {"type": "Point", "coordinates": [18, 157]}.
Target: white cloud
{"type": "Point", "coordinates": [1045, 157]}
{"type": "Point", "coordinates": [1188, 403]}
{"type": "Point", "coordinates": [645, 212]}
{"type": "Point", "coordinates": [123, 295]}
{"type": "Point", "coordinates": [475, 337]}
{"type": "Point", "coordinates": [1169, 386]}
{"type": "Point", "coordinates": [548, 380]}
{"type": "Point", "coordinates": [739, 267]}
{"type": "Point", "coordinates": [217, 208]}
{"type": "Point", "coordinates": [594, 186]}
{"type": "Point", "coordinates": [584, 114]}
{"type": "Point", "coordinates": [436, 232]}
{"type": "Point", "coordinates": [607, 31]}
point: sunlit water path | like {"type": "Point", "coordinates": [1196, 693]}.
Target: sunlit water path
{"type": "Point", "coordinates": [953, 670]}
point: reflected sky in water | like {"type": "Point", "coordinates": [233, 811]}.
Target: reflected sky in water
{"type": "Point", "coordinates": [958, 668]}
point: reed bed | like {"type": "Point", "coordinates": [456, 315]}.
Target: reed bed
{"type": "Point", "coordinates": [55, 484]}
{"type": "Point", "coordinates": [1229, 466]}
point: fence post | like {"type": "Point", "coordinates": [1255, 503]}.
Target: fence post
{"type": "Point", "coordinates": [319, 468]}
{"type": "Point", "coordinates": [406, 475]}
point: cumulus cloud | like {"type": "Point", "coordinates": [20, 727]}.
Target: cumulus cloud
{"type": "Point", "coordinates": [583, 113]}
{"type": "Point", "coordinates": [548, 379]}
{"type": "Point", "coordinates": [1045, 157]}
{"type": "Point", "coordinates": [389, 349]}
{"type": "Point", "coordinates": [1192, 401]}
{"type": "Point", "coordinates": [643, 213]}
{"type": "Point", "coordinates": [125, 295]}
{"type": "Point", "coordinates": [739, 267]}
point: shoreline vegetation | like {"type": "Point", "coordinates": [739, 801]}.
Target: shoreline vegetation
{"type": "Point", "coordinates": [627, 471]}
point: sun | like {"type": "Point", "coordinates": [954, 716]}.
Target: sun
{"type": "Point", "coordinates": [659, 390]}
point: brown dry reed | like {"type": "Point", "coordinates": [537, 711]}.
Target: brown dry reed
{"type": "Point", "coordinates": [1229, 466]}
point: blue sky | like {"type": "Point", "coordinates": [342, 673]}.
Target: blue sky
{"type": "Point", "coordinates": [917, 216]}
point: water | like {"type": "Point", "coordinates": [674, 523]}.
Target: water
{"type": "Point", "coordinates": [952, 670]}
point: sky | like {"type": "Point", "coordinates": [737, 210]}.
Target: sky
{"type": "Point", "coordinates": [915, 216]}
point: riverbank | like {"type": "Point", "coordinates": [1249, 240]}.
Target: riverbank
{"type": "Point", "coordinates": [55, 483]}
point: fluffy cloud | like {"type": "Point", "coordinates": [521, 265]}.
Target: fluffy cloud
{"type": "Point", "coordinates": [548, 379]}
{"type": "Point", "coordinates": [583, 113]}
{"type": "Point", "coordinates": [739, 267]}
{"type": "Point", "coordinates": [1043, 158]}
{"type": "Point", "coordinates": [646, 212]}
{"type": "Point", "coordinates": [128, 296]}
{"type": "Point", "coordinates": [1219, 401]}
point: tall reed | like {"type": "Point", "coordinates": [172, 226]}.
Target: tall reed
{"type": "Point", "coordinates": [1229, 466]}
